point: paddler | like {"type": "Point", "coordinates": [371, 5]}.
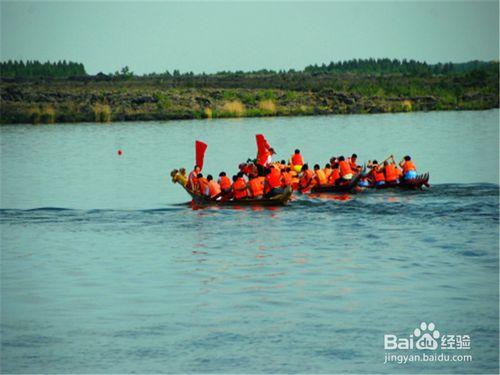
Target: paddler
{"type": "Point", "coordinates": [240, 187]}
{"type": "Point", "coordinates": [376, 175]}
{"type": "Point", "coordinates": [230, 193]}
{"type": "Point", "coordinates": [273, 181]}
{"type": "Point", "coordinates": [346, 173]}
{"type": "Point", "coordinates": [257, 185]}
{"type": "Point", "coordinates": [213, 188]}
{"type": "Point", "coordinates": [306, 178]}
{"type": "Point", "coordinates": [224, 182]}
{"type": "Point", "coordinates": [248, 168]}
{"type": "Point", "coordinates": [327, 170]}
{"type": "Point", "coordinates": [391, 173]}
{"type": "Point", "coordinates": [409, 169]}
{"type": "Point", "coordinates": [334, 177]}
{"type": "Point", "coordinates": [202, 185]}
{"type": "Point", "coordinates": [286, 177]}
{"type": "Point", "coordinates": [352, 162]}
{"type": "Point", "coordinates": [296, 161]}
{"type": "Point", "coordinates": [319, 176]}
{"type": "Point", "coordinates": [282, 165]}
{"type": "Point", "coordinates": [192, 178]}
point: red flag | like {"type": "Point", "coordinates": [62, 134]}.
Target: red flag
{"type": "Point", "coordinates": [262, 149]}
{"type": "Point", "coordinates": [200, 149]}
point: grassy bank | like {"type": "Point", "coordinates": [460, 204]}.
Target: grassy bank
{"type": "Point", "coordinates": [105, 98]}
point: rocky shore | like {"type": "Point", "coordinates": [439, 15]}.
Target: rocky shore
{"type": "Point", "coordinates": [102, 101]}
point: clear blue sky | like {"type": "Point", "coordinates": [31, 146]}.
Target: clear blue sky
{"type": "Point", "coordinates": [214, 36]}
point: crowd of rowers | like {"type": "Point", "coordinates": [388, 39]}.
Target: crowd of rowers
{"type": "Point", "coordinates": [266, 179]}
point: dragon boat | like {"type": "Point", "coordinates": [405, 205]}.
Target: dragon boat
{"type": "Point", "coordinates": [415, 183]}
{"type": "Point", "coordinates": [203, 200]}
{"type": "Point", "coordinates": [349, 187]}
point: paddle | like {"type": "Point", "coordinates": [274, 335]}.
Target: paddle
{"type": "Point", "coordinates": [381, 164]}
{"type": "Point", "coordinates": [390, 157]}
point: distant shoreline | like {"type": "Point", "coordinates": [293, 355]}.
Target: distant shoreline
{"type": "Point", "coordinates": [97, 99]}
{"type": "Point", "coordinates": [236, 118]}
{"type": "Point", "coordinates": [90, 122]}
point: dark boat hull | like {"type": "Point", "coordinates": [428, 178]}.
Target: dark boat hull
{"type": "Point", "coordinates": [277, 200]}
{"type": "Point", "coordinates": [347, 188]}
{"type": "Point", "coordinates": [413, 184]}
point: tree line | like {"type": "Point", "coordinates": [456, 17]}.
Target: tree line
{"type": "Point", "coordinates": [365, 66]}
{"type": "Point", "coordinates": [381, 66]}
{"type": "Point", "coordinates": [35, 68]}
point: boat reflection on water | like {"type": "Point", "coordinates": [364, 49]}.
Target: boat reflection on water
{"type": "Point", "coordinates": [366, 197]}
{"type": "Point", "coordinates": [331, 197]}
{"type": "Point", "coordinates": [194, 206]}
{"type": "Point", "coordinates": [392, 199]}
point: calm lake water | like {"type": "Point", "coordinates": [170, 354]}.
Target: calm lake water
{"type": "Point", "coordinates": [105, 268]}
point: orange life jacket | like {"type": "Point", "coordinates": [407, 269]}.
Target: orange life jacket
{"type": "Point", "coordinates": [345, 168]}
{"type": "Point", "coordinates": [334, 176]}
{"type": "Point", "coordinates": [192, 180]}
{"type": "Point", "coordinates": [352, 164]}
{"type": "Point", "coordinates": [391, 173]}
{"type": "Point", "coordinates": [297, 159]}
{"type": "Point", "coordinates": [286, 178]}
{"type": "Point", "coordinates": [257, 186]}
{"type": "Point", "coordinates": [328, 172]}
{"type": "Point", "coordinates": [321, 177]}
{"type": "Point", "coordinates": [225, 183]}
{"type": "Point", "coordinates": [274, 179]}
{"type": "Point", "coordinates": [213, 188]}
{"type": "Point", "coordinates": [306, 178]}
{"type": "Point", "coordinates": [240, 188]}
{"type": "Point", "coordinates": [408, 166]}
{"type": "Point", "coordinates": [202, 184]}
{"type": "Point", "coordinates": [377, 175]}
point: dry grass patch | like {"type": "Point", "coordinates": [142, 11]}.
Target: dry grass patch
{"type": "Point", "coordinates": [102, 112]}
{"type": "Point", "coordinates": [207, 112]}
{"type": "Point", "coordinates": [407, 105]}
{"type": "Point", "coordinates": [267, 107]}
{"type": "Point", "coordinates": [233, 108]}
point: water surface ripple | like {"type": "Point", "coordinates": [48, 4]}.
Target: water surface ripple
{"type": "Point", "coordinates": [106, 268]}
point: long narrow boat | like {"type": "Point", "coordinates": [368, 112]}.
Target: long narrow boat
{"type": "Point", "coordinates": [413, 184]}
{"type": "Point", "coordinates": [347, 188]}
{"type": "Point", "coordinates": [277, 200]}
